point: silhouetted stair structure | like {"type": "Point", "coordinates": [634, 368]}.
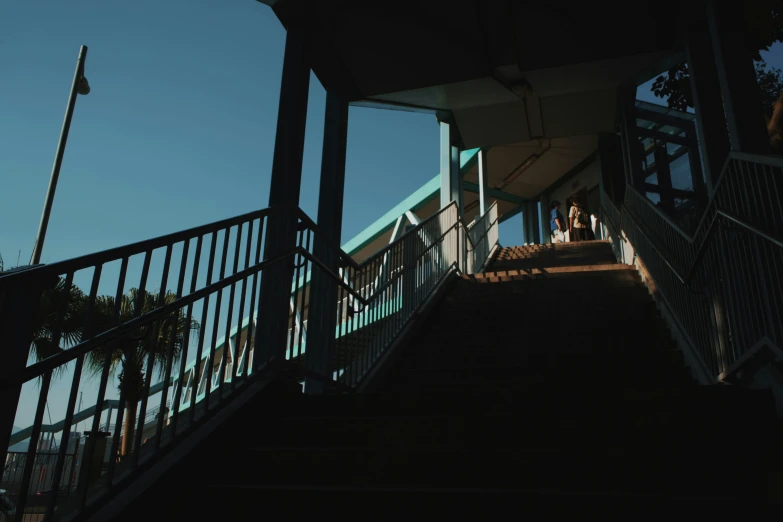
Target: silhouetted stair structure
{"type": "Point", "coordinates": [549, 381]}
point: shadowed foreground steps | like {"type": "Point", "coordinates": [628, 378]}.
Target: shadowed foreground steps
{"type": "Point", "coordinates": [501, 399]}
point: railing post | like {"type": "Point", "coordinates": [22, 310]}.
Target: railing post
{"type": "Point", "coordinates": [281, 228]}
{"type": "Point", "coordinates": [19, 301]}
{"type": "Point", "coordinates": [409, 275]}
{"type": "Point", "coordinates": [483, 181]}
{"type": "Point", "coordinates": [445, 164]}
{"type": "Point", "coordinates": [322, 313]}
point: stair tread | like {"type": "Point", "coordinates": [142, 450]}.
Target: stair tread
{"type": "Point", "coordinates": [494, 402]}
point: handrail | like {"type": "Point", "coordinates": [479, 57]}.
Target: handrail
{"type": "Point", "coordinates": [476, 222]}
{"type": "Point", "coordinates": [666, 218]}
{"type": "Point", "coordinates": [772, 161]}
{"type": "Point", "coordinates": [404, 266]}
{"type": "Point", "coordinates": [705, 242]}
{"type": "Point", "coordinates": [64, 357]}
{"type": "Point", "coordinates": [413, 230]}
{"type": "Point", "coordinates": [140, 247]}
{"type": "Point", "coordinates": [602, 209]}
{"type": "Point", "coordinates": [772, 239]}
{"type": "Point", "coordinates": [657, 251]}
{"type": "Point", "coordinates": [735, 303]}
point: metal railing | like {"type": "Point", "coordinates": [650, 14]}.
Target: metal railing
{"type": "Point", "coordinates": [482, 237]}
{"type": "Point", "coordinates": [393, 284]}
{"type": "Point", "coordinates": [207, 284]}
{"type": "Point", "coordinates": [723, 283]}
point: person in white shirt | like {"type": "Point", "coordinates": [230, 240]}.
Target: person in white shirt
{"type": "Point", "coordinates": [578, 221]}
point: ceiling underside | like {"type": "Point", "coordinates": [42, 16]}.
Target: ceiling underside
{"type": "Point", "coordinates": [530, 168]}
{"type": "Point", "coordinates": [389, 46]}
{"type": "Point", "coordinates": [507, 71]}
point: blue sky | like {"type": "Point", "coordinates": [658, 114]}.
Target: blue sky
{"type": "Point", "coordinates": [179, 127]}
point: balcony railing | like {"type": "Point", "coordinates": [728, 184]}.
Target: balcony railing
{"type": "Point", "coordinates": [723, 283]}
{"type": "Point", "coordinates": [205, 308]}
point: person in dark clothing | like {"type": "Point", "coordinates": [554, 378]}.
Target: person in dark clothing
{"type": "Point", "coordinates": [557, 223]}
{"type": "Point", "coordinates": [579, 221]}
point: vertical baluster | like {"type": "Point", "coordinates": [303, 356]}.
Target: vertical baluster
{"type": "Point", "coordinates": [379, 313]}
{"type": "Point", "coordinates": [176, 403]}
{"type": "Point", "coordinates": [210, 363]}
{"type": "Point", "coordinates": [153, 346]}
{"type": "Point", "coordinates": [240, 319]}
{"type": "Point", "coordinates": [340, 348]}
{"type": "Point", "coordinates": [307, 294]}
{"type": "Point", "coordinates": [298, 261]}
{"type": "Point", "coordinates": [197, 363]}
{"type": "Point", "coordinates": [170, 356]}
{"type": "Point", "coordinates": [43, 397]}
{"type": "Point", "coordinates": [69, 412]}
{"type": "Point", "coordinates": [769, 326]}
{"type": "Point", "coordinates": [367, 278]}
{"type": "Point", "coordinates": [252, 323]}
{"type": "Point", "coordinates": [753, 272]}
{"type": "Point", "coordinates": [399, 309]}
{"type": "Point", "coordinates": [229, 321]}
{"type": "Point", "coordinates": [116, 320]}
{"type": "Point", "coordinates": [350, 280]}
{"type": "Point", "coordinates": [257, 362]}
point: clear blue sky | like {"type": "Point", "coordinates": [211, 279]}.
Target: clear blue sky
{"type": "Point", "coordinates": [179, 127]}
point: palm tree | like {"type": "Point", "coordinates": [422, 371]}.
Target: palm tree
{"type": "Point", "coordinates": [130, 353]}
{"type": "Point", "coordinates": [46, 325]}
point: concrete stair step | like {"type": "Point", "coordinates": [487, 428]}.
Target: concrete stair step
{"type": "Point", "coordinates": [557, 396]}
{"type": "Point", "coordinates": [610, 369]}
{"type": "Point", "coordinates": [578, 379]}
{"type": "Point", "coordinates": [647, 471]}
{"type": "Point", "coordinates": [542, 328]}
{"type": "Point", "coordinates": [546, 424]}
{"type": "Point", "coordinates": [355, 503]}
{"type": "Point", "coordinates": [443, 359]}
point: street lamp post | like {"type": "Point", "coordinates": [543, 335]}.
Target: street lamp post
{"type": "Point", "coordinates": [79, 86]}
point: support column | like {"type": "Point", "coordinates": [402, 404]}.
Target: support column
{"type": "Point", "coordinates": [457, 192]}
{"type": "Point", "coordinates": [610, 155]}
{"type": "Point", "coordinates": [633, 150]}
{"type": "Point", "coordinates": [710, 118]}
{"type": "Point", "coordinates": [322, 313]}
{"type": "Point", "coordinates": [445, 165]}
{"type": "Point", "coordinates": [664, 177]}
{"type": "Point", "coordinates": [543, 216]}
{"type": "Point", "coordinates": [737, 77]}
{"type": "Point", "coordinates": [449, 186]}
{"type": "Point", "coordinates": [277, 279]}
{"type": "Point", "coordinates": [482, 181]}
{"type": "Point", "coordinates": [532, 222]}
{"type": "Point", "coordinates": [536, 204]}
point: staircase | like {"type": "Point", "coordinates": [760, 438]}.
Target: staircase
{"type": "Point", "coordinates": [549, 382]}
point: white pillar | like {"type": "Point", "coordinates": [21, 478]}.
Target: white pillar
{"type": "Point", "coordinates": [445, 165]}
{"type": "Point", "coordinates": [483, 183]}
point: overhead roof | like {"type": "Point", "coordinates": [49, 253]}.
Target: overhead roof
{"type": "Point", "coordinates": [507, 71]}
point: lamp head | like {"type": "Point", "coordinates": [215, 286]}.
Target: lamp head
{"type": "Point", "coordinates": [84, 86]}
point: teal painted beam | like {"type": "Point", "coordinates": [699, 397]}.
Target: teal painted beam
{"type": "Point", "coordinates": [422, 196]}
{"type": "Point", "coordinates": [425, 194]}
{"type": "Point", "coordinates": [495, 193]}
